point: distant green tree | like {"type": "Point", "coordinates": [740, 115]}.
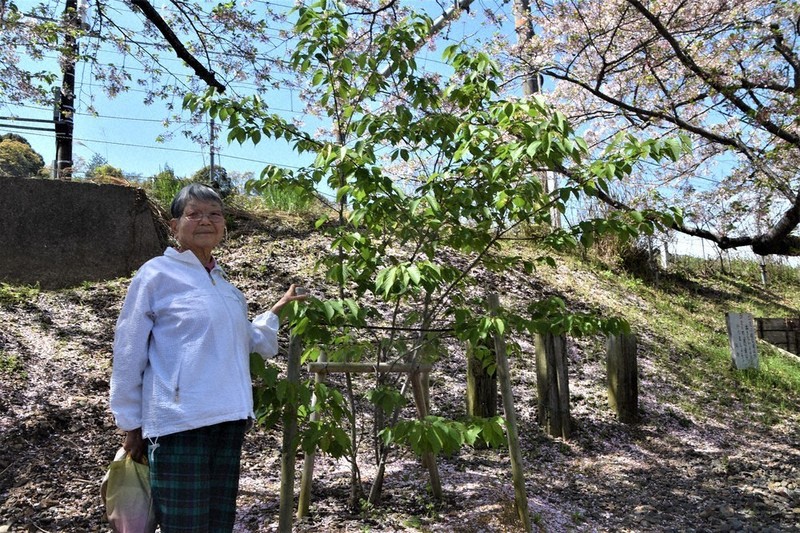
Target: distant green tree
{"type": "Point", "coordinates": [14, 137]}
{"type": "Point", "coordinates": [106, 171]}
{"type": "Point", "coordinates": [217, 180]}
{"type": "Point", "coordinates": [95, 162]}
{"type": "Point", "coordinates": [165, 185]}
{"type": "Point", "coordinates": [17, 158]}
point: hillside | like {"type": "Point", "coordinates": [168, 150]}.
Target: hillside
{"type": "Point", "coordinates": [717, 450]}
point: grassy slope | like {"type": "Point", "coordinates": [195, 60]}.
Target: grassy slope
{"type": "Point", "coordinates": [701, 301]}
{"type": "Point", "coordinates": [681, 316]}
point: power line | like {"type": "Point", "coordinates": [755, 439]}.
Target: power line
{"type": "Point", "coordinates": [14, 119]}
{"type": "Point", "coordinates": [134, 119]}
{"type": "Point", "coordinates": [26, 128]}
{"type": "Point", "coordinates": [163, 148]}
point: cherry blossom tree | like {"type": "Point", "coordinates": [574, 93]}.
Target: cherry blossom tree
{"type": "Point", "coordinates": [220, 43]}
{"type": "Point", "coordinates": [724, 72]}
{"type": "Point", "coordinates": [239, 48]}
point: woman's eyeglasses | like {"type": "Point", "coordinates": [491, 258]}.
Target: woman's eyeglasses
{"type": "Point", "coordinates": [197, 217]}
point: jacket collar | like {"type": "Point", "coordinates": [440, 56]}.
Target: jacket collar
{"type": "Point", "coordinates": [189, 258]}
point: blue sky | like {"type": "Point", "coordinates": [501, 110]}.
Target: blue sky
{"type": "Point", "coordinates": [125, 131]}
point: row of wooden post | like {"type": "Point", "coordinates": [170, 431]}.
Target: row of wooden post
{"type": "Point", "coordinates": [553, 413]}
{"type": "Point", "coordinates": [552, 383]}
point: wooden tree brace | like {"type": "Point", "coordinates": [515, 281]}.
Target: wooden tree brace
{"type": "Point", "coordinates": [515, 453]}
{"type": "Point", "coordinates": [289, 446]}
{"type": "Point", "coordinates": [419, 373]}
{"type": "Point", "coordinates": [368, 368]}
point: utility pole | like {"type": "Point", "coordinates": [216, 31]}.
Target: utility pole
{"type": "Point", "coordinates": [64, 110]}
{"type": "Point", "coordinates": [524, 29]}
{"type": "Point", "coordinates": [531, 85]}
{"type": "Point", "coordinates": [212, 140]}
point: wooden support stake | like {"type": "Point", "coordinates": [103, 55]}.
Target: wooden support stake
{"type": "Point", "coordinates": [517, 468]}
{"type": "Point", "coordinates": [428, 458]}
{"type": "Point", "coordinates": [288, 448]}
{"type": "Point", "coordinates": [368, 368]}
{"type": "Point", "coordinates": [552, 385]}
{"type": "Point", "coordinates": [304, 499]}
{"type": "Point", "coordinates": [623, 377]}
{"type": "Point", "coordinates": [481, 388]}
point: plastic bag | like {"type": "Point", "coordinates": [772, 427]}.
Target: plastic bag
{"type": "Point", "coordinates": [125, 490]}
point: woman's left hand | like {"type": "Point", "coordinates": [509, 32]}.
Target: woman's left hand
{"type": "Point", "coordinates": [294, 294]}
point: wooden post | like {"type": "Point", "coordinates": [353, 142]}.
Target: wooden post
{"type": "Point", "coordinates": [623, 377]}
{"type": "Point", "coordinates": [552, 384]}
{"type": "Point", "coordinates": [428, 459]}
{"type": "Point", "coordinates": [425, 379]}
{"type": "Point", "coordinates": [307, 478]}
{"type": "Point", "coordinates": [288, 448]}
{"type": "Point", "coordinates": [517, 468]}
{"type": "Point", "coordinates": [481, 389]}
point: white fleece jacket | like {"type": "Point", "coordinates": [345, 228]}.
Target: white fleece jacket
{"type": "Point", "coordinates": [182, 348]}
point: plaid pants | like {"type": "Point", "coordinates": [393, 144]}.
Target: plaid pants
{"type": "Point", "coordinates": [194, 477]}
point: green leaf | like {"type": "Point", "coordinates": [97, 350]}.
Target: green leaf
{"type": "Point", "coordinates": [391, 277]}
{"type": "Point", "coordinates": [499, 326]}
{"type": "Point", "coordinates": [414, 273]}
{"type": "Point", "coordinates": [329, 310]}
{"type": "Point", "coordinates": [352, 306]}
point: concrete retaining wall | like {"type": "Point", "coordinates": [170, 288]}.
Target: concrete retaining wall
{"type": "Point", "coordinates": [60, 234]}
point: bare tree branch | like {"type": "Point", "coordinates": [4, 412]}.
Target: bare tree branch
{"type": "Point", "coordinates": [710, 79]}
{"type": "Point", "coordinates": [201, 71]}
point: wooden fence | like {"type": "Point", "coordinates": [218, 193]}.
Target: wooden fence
{"type": "Point", "coordinates": [781, 332]}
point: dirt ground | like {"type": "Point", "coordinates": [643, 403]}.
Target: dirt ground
{"type": "Point", "coordinates": [720, 467]}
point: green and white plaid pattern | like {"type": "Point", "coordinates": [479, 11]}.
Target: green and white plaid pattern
{"type": "Point", "coordinates": [194, 477]}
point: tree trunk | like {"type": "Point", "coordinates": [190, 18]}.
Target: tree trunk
{"type": "Point", "coordinates": [356, 492]}
{"type": "Point", "coordinates": [307, 479]}
{"type": "Point", "coordinates": [428, 459]}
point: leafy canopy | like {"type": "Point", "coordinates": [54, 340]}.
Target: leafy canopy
{"type": "Point", "coordinates": [431, 180]}
{"type": "Point", "coordinates": [17, 158]}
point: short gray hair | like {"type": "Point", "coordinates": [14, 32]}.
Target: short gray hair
{"type": "Point", "coordinates": [193, 191]}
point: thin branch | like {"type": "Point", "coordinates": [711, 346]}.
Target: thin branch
{"type": "Point", "coordinates": [641, 112]}
{"type": "Point", "coordinates": [201, 71]}
{"type": "Point", "coordinates": [709, 79]}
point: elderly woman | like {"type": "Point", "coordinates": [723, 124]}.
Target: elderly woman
{"type": "Point", "coordinates": [181, 377]}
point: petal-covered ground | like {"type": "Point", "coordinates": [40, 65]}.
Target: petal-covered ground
{"type": "Point", "coordinates": [696, 462]}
